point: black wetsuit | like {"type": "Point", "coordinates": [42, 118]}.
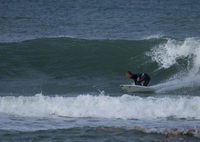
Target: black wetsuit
{"type": "Point", "coordinates": [142, 77]}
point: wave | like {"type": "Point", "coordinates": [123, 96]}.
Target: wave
{"type": "Point", "coordinates": [124, 107]}
{"type": "Point", "coordinates": [61, 62]}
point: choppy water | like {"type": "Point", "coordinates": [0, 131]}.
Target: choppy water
{"type": "Point", "coordinates": [62, 63]}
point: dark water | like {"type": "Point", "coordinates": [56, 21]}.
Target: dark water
{"type": "Point", "coordinates": [62, 63]}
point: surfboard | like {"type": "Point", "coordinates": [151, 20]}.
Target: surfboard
{"type": "Point", "coordinates": [136, 88]}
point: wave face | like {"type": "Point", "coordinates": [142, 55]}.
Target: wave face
{"type": "Point", "coordinates": [58, 65]}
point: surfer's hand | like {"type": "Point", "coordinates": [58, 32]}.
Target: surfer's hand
{"type": "Point", "coordinates": [138, 79]}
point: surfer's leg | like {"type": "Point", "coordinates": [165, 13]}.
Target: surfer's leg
{"type": "Point", "coordinates": [146, 81]}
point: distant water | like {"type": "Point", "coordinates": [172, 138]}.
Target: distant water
{"type": "Point", "coordinates": [62, 63]}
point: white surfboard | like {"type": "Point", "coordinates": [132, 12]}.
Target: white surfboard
{"type": "Point", "coordinates": [136, 88]}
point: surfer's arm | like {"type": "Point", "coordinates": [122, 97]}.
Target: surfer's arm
{"type": "Point", "coordinates": [139, 77]}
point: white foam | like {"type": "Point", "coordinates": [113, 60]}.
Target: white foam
{"type": "Point", "coordinates": [124, 107]}
{"type": "Point", "coordinates": [171, 131]}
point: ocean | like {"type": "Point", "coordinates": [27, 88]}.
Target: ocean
{"type": "Point", "coordinates": [62, 63]}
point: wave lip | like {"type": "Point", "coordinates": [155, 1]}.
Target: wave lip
{"type": "Point", "coordinates": [167, 54]}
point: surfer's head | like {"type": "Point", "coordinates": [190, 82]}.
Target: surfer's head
{"type": "Point", "coordinates": [128, 74]}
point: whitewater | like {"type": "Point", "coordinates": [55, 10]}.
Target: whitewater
{"type": "Point", "coordinates": [124, 107]}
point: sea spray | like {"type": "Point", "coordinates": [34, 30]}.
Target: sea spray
{"type": "Point", "coordinates": [167, 54]}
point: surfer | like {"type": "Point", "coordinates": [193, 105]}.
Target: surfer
{"type": "Point", "coordinates": [138, 78]}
